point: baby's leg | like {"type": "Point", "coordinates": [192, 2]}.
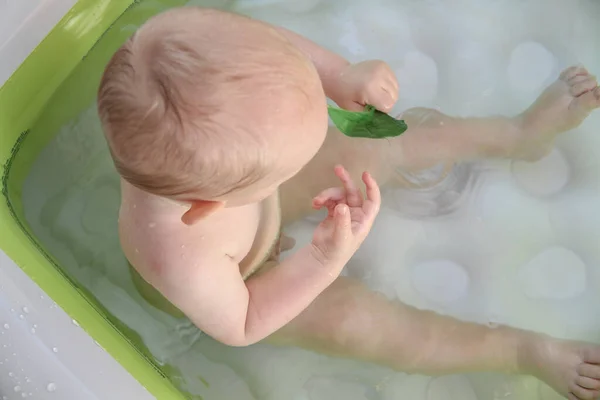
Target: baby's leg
{"type": "Point", "coordinates": [435, 138]}
{"type": "Point", "coordinates": [349, 320]}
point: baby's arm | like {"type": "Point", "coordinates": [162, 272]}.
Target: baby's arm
{"type": "Point", "coordinates": [328, 64]}
{"type": "Point", "coordinates": [350, 86]}
{"type": "Point", "coordinates": [217, 300]}
{"type": "Point", "coordinates": [239, 313]}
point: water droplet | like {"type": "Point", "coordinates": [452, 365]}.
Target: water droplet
{"type": "Point", "coordinates": [152, 225]}
{"type": "Point", "coordinates": [33, 330]}
{"type": "Point", "coordinates": [137, 251]}
{"type": "Point", "coordinates": [21, 316]}
{"type": "Point", "coordinates": [135, 206]}
{"type": "Point", "coordinates": [4, 398]}
{"type": "Point", "coordinates": [6, 326]}
{"type": "Point", "coordinates": [183, 246]}
{"type": "Point", "coordinates": [17, 388]}
{"type": "Point", "coordinates": [75, 322]}
{"type": "Point", "coordinates": [25, 310]}
{"type": "Point", "coordinates": [35, 325]}
{"type": "Point", "coordinates": [12, 310]}
{"type": "Point", "coordinates": [23, 394]}
{"type": "Point", "coordinates": [54, 349]}
{"type": "Point", "coordinates": [12, 375]}
{"type": "Point", "coordinates": [493, 323]}
{"type": "Point", "coordinates": [51, 387]}
{"type": "Point", "coordinates": [27, 380]}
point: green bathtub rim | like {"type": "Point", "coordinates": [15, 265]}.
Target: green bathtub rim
{"type": "Point", "coordinates": [78, 304]}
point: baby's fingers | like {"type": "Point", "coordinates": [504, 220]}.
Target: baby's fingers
{"type": "Point", "coordinates": [327, 196]}
{"type": "Point", "coordinates": [343, 224]}
{"type": "Point", "coordinates": [353, 195]}
{"type": "Point", "coordinates": [373, 202]}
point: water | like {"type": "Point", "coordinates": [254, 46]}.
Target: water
{"type": "Point", "coordinates": [494, 242]}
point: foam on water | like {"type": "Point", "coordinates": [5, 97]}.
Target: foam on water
{"type": "Point", "coordinates": [495, 242]}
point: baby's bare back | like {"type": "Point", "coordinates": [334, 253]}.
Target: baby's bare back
{"type": "Point", "coordinates": [158, 244]}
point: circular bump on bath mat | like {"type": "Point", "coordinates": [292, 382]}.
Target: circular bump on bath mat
{"type": "Point", "coordinates": [418, 78]}
{"type": "Point", "coordinates": [556, 273]}
{"type": "Point", "coordinates": [440, 281]}
{"type": "Point", "coordinates": [512, 215]}
{"type": "Point", "coordinates": [530, 67]}
{"type": "Point", "coordinates": [455, 387]}
{"type": "Point", "coordinates": [544, 177]}
{"type": "Point", "coordinates": [472, 75]}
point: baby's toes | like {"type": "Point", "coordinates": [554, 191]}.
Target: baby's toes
{"type": "Point", "coordinates": [582, 84]}
{"type": "Point", "coordinates": [588, 383]}
{"type": "Point", "coordinates": [572, 72]}
{"type": "Point", "coordinates": [590, 371]}
{"type": "Point", "coordinates": [584, 394]}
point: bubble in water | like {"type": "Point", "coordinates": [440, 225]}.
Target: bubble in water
{"type": "Point", "coordinates": [17, 388]}
{"type": "Point", "coordinates": [51, 387]}
{"type": "Point", "coordinates": [75, 322]}
{"type": "Point", "coordinates": [54, 349]}
{"type": "Point", "coordinates": [6, 326]}
{"type": "Point", "coordinates": [25, 310]}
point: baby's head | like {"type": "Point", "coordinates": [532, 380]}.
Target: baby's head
{"type": "Point", "coordinates": [206, 106]}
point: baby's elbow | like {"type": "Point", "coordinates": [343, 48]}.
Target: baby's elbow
{"type": "Point", "coordinates": [234, 336]}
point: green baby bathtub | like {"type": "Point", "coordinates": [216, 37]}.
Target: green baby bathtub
{"type": "Point", "coordinates": [54, 84]}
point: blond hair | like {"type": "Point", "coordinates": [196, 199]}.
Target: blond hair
{"type": "Point", "coordinates": [185, 102]}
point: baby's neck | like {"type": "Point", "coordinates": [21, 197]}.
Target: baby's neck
{"type": "Point", "coordinates": [134, 198]}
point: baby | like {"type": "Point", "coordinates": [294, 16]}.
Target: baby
{"type": "Point", "coordinates": [218, 126]}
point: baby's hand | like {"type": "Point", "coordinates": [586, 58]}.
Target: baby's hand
{"type": "Point", "coordinates": [368, 82]}
{"type": "Point", "coordinates": [349, 218]}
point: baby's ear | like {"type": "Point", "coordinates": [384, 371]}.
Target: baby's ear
{"type": "Point", "coordinates": [199, 210]}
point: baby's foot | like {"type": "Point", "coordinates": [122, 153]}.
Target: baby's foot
{"type": "Point", "coordinates": [570, 368]}
{"type": "Point", "coordinates": [563, 106]}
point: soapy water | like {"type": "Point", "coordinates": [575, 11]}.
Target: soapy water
{"type": "Point", "coordinates": [493, 242]}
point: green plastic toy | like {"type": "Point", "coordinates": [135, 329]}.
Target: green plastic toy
{"type": "Point", "coordinates": [370, 123]}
